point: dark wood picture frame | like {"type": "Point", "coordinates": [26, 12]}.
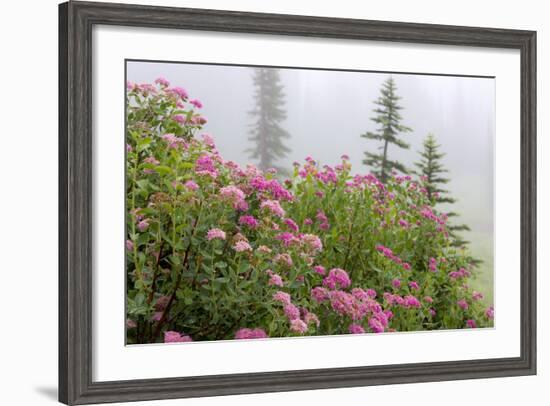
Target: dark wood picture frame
{"type": "Point", "coordinates": [76, 20]}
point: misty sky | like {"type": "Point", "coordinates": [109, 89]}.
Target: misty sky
{"type": "Point", "coordinates": [327, 111]}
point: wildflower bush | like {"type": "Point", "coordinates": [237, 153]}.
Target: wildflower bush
{"type": "Point", "coordinates": [216, 251]}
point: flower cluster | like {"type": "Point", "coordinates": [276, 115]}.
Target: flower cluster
{"type": "Point", "coordinates": [222, 251]}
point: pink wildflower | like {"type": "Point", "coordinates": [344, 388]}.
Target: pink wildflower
{"type": "Point", "coordinates": [356, 329]}
{"type": "Point", "coordinates": [241, 246]}
{"type": "Point", "coordinates": [275, 280]}
{"type": "Point", "coordinates": [396, 283]}
{"type": "Point", "coordinates": [274, 207]}
{"type": "Point", "coordinates": [143, 225]}
{"type": "Point", "coordinates": [337, 278]}
{"type": "Point", "coordinates": [179, 118]}
{"type": "Point", "coordinates": [291, 224]}
{"type": "Point", "coordinates": [291, 311]}
{"type": "Point", "coordinates": [215, 233]}
{"type": "Point", "coordinates": [175, 337]}
{"type": "Point", "coordinates": [191, 185]}
{"type": "Point", "coordinates": [477, 295]}
{"type": "Point", "coordinates": [311, 318]}
{"type": "Point", "coordinates": [282, 297]}
{"type": "Point", "coordinates": [463, 304]}
{"type": "Point", "coordinates": [319, 294]}
{"type": "Point", "coordinates": [411, 301]}
{"type": "Point", "coordinates": [249, 221]}
{"type": "Point", "coordinates": [470, 323]}
{"type": "Point", "coordinates": [205, 166]}
{"type": "Point", "coordinates": [375, 325]}
{"type": "Point", "coordinates": [298, 326]}
{"type": "Point", "coordinates": [414, 285]}
{"type": "Point", "coordinates": [129, 245]}
{"type": "Point", "coordinates": [162, 82]}
{"type": "Point", "coordinates": [247, 334]}
{"type": "Point", "coordinates": [196, 103]}
{"type": "Point", "coordinates": [319, 269]}
{"type": "Point", "coordinates": [490, 313]}
{"type": "Point", "coordinates": [312, 242]}
{"type": "Point", "coordinates": [179, 91]}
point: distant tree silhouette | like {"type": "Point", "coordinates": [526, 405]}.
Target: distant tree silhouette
{"type": "Point", "coordinates": [267, 134]}
{"type": "Point", "coordinates": [432, 171]}
{"type": "Point", "coordinates": [389, 129]}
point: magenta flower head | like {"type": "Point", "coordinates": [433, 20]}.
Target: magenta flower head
{"type": "Point", "coordinates": [281, 297]}
{"type": "Point", "coordinates": [371, 293]}
{"type": "Point", "coordinates": [129, 245]}
{"type": "Point", "coordinates": [179, 91]}
{"type": "Point", "coordinates": [291, 311]}
{"type": "Point", "coordinates": [275, 280]}
{"type": "Point", "coordinates": [274, 207]}
{"type": "Point", "coordinates": [414, 285]}
{"type": "Point", "coordinates": [196, 103]}
{"type": "Point", "coordinates": [298, 326]}
{"type": "Point", "coordinates": [319, 294]}
{"type": "Point", "coordinates": [291, 224]}
{"type": "Point", "coordinates": [191, 185]}
{"type": "Point", "coordinates": [463, 304]}
{"type": "Point", "coordinates": [143, 225]}
{"type": "Point", "coordinates": [247, 333]}
{"type": "Point", "coordinates": [319, 269]}
{"type": "Point", "coordinates": [215, 233]}
{"type": "Point", "coordinates": [477, 295]}
{"type": "Point", "coordinates": [162, 82]}
{"type": "Point", "coordinates": [311, 318]}
{"type": "Point", "coordinates": [490, 313]}
{"type": "Point", "coordinates": [411, 301]}
{"type": "Point", "coordinates": [337, 278]}
{"type": "Point", "coordinates": [356, 329]}
{"type": "Point", "coordinates": [175, 337]}
{"type": "Point", "coordinates": [396, 283]}
{"type": "Point", "coordinates": [312, 242]}
{"type": "Point", "coordinates": [470, 323]}
{"type": "Point", "coordinates": [375, 325]}
{"type": "Point", "coordinates": [179, 118]}
{"type": "Point", "coordinates": [242, 246]}
{"type": "Point", "coordinates": [249, 221]}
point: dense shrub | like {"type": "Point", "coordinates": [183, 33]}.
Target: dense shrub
{"type": "Point", "coordinates": [216, 251]}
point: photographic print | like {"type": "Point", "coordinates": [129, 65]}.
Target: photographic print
{"type": "Point", "coordinates": [271, 202]}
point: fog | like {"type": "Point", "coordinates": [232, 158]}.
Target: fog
{"type": "Point", "coordinates": [327, 111]}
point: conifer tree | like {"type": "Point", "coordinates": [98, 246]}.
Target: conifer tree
{"type": "Point", "coordinates": [388, 119]}
{"type": "Point", "coordinates": [432, 173]}
{"type": "Point", "coordinates": [267, 134]}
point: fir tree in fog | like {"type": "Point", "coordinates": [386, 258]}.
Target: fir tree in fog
{"type": "Point", "coordinates": [267, 134]}
{"type": "Point", "coordinates": [388, 119]}
{"type": "Point", "coordinates": [431, 171]}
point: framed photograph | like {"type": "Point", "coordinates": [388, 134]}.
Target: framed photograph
{"type": "Point", "coordinates": [260, 202]}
